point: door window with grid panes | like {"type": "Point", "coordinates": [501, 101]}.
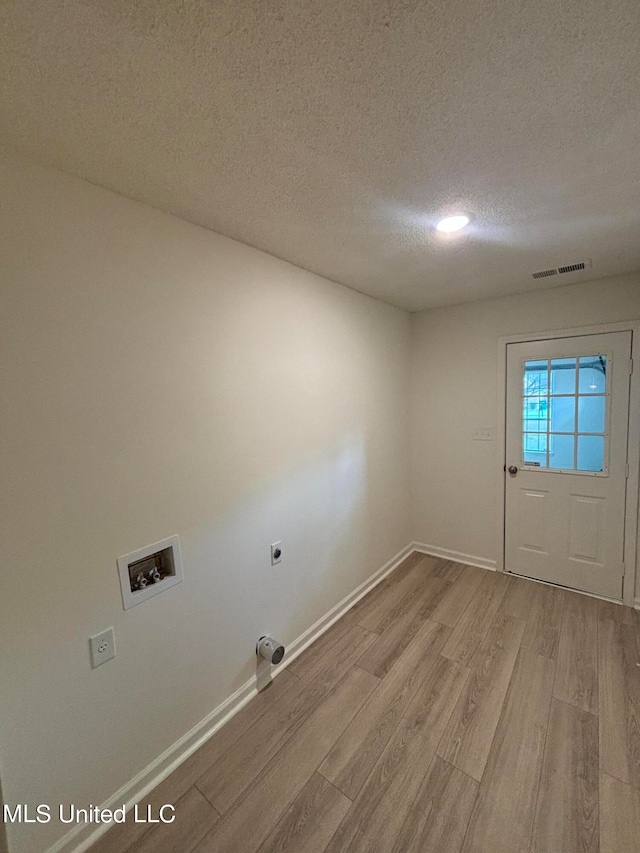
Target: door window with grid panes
{"type": "Point", "coordinates": [564, 414]}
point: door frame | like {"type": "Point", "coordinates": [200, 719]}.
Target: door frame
{"type": "Point", "coordinates": [633, 442]}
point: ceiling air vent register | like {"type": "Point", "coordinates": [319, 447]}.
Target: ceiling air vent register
{"type": "Point", "coordinates": [582, 265]}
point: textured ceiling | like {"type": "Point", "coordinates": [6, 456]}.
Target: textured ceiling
{"type": "Point", "coordinates": [334, 133]}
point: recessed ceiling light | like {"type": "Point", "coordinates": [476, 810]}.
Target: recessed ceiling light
{"type": "Point", "coordinates": [452, 223]}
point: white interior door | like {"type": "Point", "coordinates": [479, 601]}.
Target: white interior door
{"type": "Point", "coordinates": [566, 457]}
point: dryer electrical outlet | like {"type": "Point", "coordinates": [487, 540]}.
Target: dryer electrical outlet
{"type": "Point", "coordinates": [276, 553]}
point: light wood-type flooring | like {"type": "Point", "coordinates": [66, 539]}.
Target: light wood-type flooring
{"type": "Point", "coordinates": [452, 709]}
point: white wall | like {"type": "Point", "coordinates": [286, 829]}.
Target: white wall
{"type": "Point", "coordinates": [3, 829]}
{"type": "Point", "coordinates": [454, 387]}
{"type": "Point", "coordinates": [160, 379]}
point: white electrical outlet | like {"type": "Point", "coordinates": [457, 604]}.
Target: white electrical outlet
{"type": "Point", "coordinates": [276, 553]}
{"type": "Point", "coordinates": [102, 647]}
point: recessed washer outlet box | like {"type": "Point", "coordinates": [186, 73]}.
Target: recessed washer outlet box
{"type": "Point", "coordinates": [149, 571]}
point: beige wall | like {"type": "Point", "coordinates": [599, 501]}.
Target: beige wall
{"type": "Point", "coordinates": [160, 379]}
{"type": "Point", "coordinates": [454, 382]}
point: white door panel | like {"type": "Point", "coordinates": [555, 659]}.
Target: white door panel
{"type": "Point", "coordinates": [586, 529]}
{"type": "Point", "coordinates": [534, 523]}
{"type": "Point", "coordinates": [566, 437]}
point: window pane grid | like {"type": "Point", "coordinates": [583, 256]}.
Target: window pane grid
{"type": "Point", "coordinates": [564, 409]}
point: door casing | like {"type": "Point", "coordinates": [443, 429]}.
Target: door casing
{"type": "Point", "coordinates": [633, 452]}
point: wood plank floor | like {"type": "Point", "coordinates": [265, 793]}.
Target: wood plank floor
{"type": "Point", "coordinates": [450, 710]}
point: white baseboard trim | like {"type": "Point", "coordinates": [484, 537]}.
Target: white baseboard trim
{"type": "Point", "coordinates": [455, 556]}
{"type": "Point", "coordinates": [325, 622]}
{"type": "Point", "coordinates": [83, 836]}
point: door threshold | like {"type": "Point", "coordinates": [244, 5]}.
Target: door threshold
{"type": "Point", "coordinates": [570, 588]}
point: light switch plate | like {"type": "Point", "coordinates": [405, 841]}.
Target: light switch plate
{"type": "Point", "coordinates": [483, 434]}
{"type": "Point", "coordinates": [102, 647]}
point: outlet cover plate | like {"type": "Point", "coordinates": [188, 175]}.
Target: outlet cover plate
{"type": "Point", "coordinates": [276, 553]}
{"type": "Point", "coordinates": [102, 647]}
